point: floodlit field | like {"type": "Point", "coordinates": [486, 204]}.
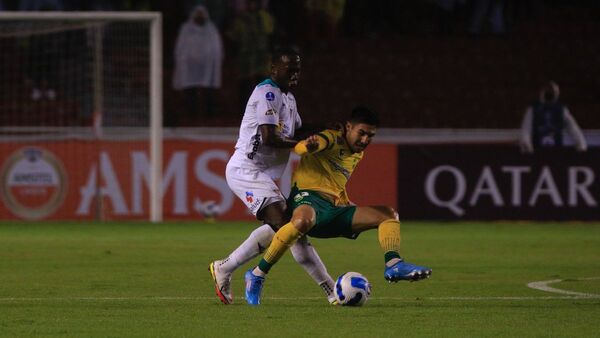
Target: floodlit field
{"type": "Point", "coordinates": [139, 279]}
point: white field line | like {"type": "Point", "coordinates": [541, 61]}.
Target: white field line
{"type": "Point", "coordinates": [543, 286]}
{"type": "Point", "coordinates": [407, 299]}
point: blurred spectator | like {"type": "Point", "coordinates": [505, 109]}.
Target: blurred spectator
{"type": "Point", "coordinates": [250, 34]}
{"type": "Point", "coordinates": [546, 119]}
{"type": "Point", "coordinates": [492, 10]}
{"type": "Point", "coordinates": [198, 60]}
{"type": "Point", "coordinates": [218, 10]}
{"type": "Point", "coordinates": [323, 21]}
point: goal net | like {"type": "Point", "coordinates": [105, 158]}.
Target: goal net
{"type": "Point", "coordinates": [80, 110]}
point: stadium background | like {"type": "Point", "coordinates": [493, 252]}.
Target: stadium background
{"type": "Point", "coordinates": [451, 105]}
{"type": "Point", "coordinates": [431, 80]}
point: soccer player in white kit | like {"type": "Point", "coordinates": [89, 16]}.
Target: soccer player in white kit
{"type": "Point", "coordinates": [261, 155]}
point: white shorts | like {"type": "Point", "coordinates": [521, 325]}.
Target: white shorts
{"type": "Point", "coordinates": [255, 188]}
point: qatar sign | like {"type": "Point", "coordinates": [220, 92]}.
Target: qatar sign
{"type": "Point", "coordinates": [497, 182]}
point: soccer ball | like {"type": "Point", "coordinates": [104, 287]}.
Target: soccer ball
{"type": "Point", "coordinates": [352, 289]}
{"type": "Point", "coordinates": [209, 209]}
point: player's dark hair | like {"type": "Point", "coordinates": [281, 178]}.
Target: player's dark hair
{"type": "Point", "coordinates": [283, 50]}
{"type": "Point", "coordinates": [362, 114]}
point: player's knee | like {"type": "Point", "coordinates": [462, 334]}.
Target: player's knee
{"type": "Point", "coordinates": [394, 214]}
{"type": "Point", "coordinates": [275, 221]}
{"type": "Point", "coordinates": [302, 223]}
{"type": "Point", "coordinates": [274, 214]}
{"type": "Point", "coordinates": [276, 218]}
{"type": "Point", "coordinates": [388, 213]}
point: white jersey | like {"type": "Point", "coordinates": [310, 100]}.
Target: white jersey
{"type": "Point", "coordinates": [267, 105]}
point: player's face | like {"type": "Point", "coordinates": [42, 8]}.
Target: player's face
{"type": "Point", "coordinates": [359, 135]}
{"type": "Point", "coordinates": [287, 71]}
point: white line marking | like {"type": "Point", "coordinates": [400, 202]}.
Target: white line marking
{"type": "Point", "coordinates": [458, 298]}
{"type": "Point", "coordinates": [513, 298]}
{"type": "Point", "coordinates": [540, 285]}
{"type": "Point", "coordinates": [543, 286]}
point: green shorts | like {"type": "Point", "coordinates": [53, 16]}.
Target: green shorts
{"type": "Point", "coordinates": [332, 221]}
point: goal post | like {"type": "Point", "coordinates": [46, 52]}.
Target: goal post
{"type": "Point", "coordinates": [82, 76]}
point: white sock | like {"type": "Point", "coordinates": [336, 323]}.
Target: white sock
{"type": "Point", "coordinates": [258, 272]}
{"type": "Point", "coordinates": [306, 255]}
{"type": "Point", "coordinates": [257, 242]}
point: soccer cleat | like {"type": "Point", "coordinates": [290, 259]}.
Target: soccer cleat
{"type": "Point", "coordinates": [406, 271]}
{"type": "Point", "coordinates": [254, 285]}
{"type": "Point", "coordinates": [222, 283]}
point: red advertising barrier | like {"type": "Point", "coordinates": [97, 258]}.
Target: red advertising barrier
{"type": "Point", "coordinates": [491, 182]}
{"type": "Point", "coordinates": [110, 179]}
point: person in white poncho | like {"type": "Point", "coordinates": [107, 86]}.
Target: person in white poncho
{"type": "Point", "coordinates": [198, 60]}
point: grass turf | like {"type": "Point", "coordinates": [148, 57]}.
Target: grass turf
{"type": "Point", "coordinates": [140, 279]}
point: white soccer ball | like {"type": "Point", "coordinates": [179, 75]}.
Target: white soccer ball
{"type": "Point", "coordinates": [352, 289]}
{"type": "Point", "coordinates": [209, 209]}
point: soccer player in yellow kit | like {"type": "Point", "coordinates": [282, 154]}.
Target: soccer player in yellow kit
{"type": "Point", "coordinates": [321, 207]}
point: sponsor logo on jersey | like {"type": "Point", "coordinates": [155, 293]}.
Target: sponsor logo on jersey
{"type": "Point", "coordinates": [299, 196]}
{"type": "Point", "coordinates": [33, 183]}
{"type": "Point", "coordinates": [255, 145]}
{"type": "Point", "coordinates": [339, 168]}
{"type": "Point", "coordinates": [270, 96]}
{"type": "Point", "coordinates": [249, 196]}
{"type": "Point", "coordinates": [255, 205]}
{"type": "Point", "coordinates": [270, 112]}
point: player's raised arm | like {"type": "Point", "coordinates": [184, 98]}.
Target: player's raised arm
{"type": "Point", "coordinates": [311, 144]}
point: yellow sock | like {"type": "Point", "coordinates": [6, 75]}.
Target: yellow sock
{"type": "Point", "coordinates": [283, 239]}
{"type": "Point", "coordinates": [389, 235]}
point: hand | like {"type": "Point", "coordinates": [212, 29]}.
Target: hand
{"type": "Point", "coordinates": [312, 143]}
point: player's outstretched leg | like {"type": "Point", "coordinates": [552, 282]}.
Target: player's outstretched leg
{"type": "Point", "coordinates": [396, 268]}
{"type": "Point", "coordinates": [402, 270]}
{"type": "Point", "coordinates": [254, 285]}
{"type": "Point", "coordinates": [222, 282]}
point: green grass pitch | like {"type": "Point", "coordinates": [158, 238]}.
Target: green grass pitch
{"type": "Point", "coordinates": [128, 279]}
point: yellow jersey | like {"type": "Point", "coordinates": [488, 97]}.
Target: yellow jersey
{"type": "Point", "coordinates": [328, 169]}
